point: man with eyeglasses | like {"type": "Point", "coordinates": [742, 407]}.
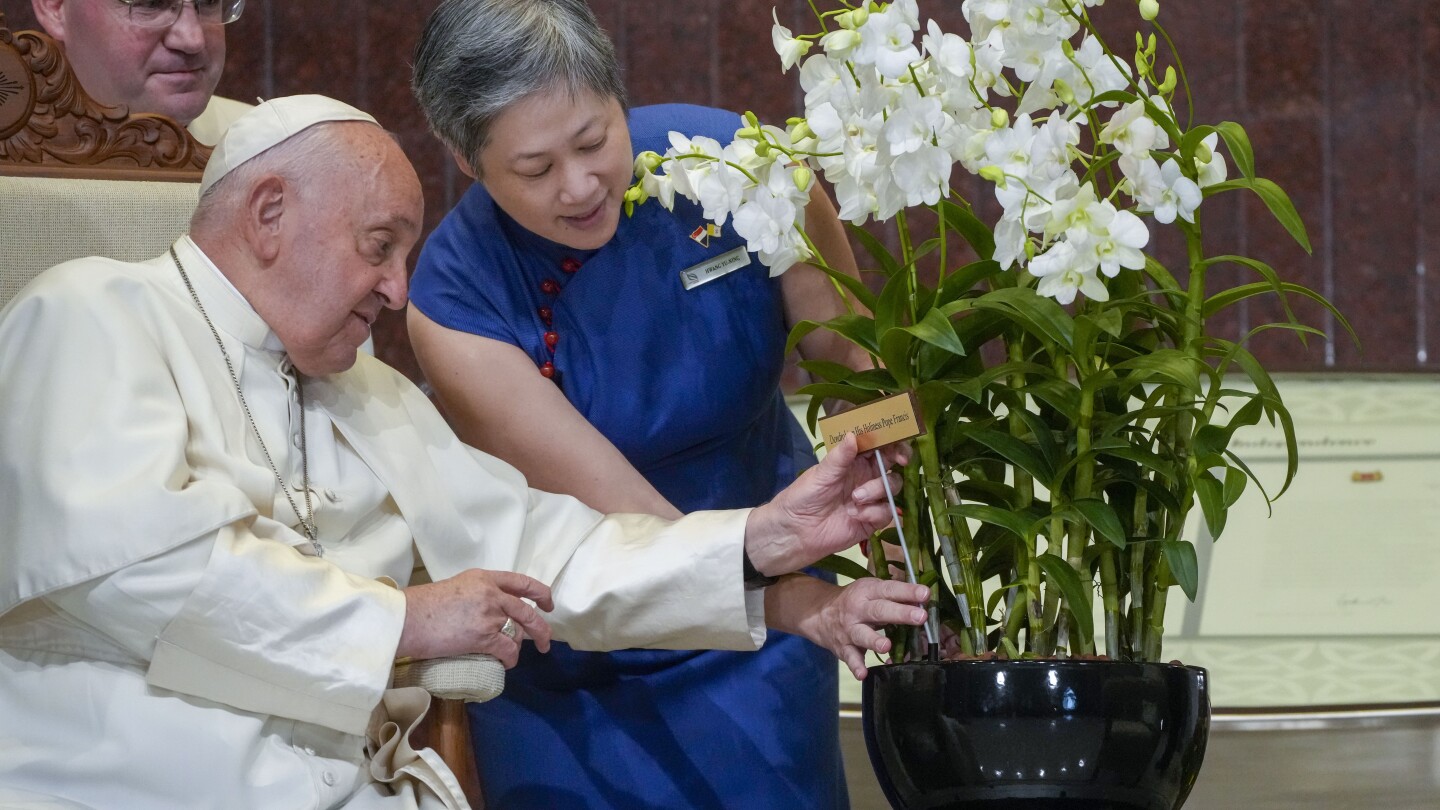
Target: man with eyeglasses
{"type": "Point", "coordinates": [153, 56]}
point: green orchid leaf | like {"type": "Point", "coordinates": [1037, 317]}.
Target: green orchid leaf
{"type": "Point", "coordinates": [1006, 519]}
{"type": "Point", "coordinates": [1190, 141]}
{"type": "Point", "coordinates": [1211, 494]}
{"type": "Point", "coordinates": [1274, 410]}
{"type": "Point", "coordinates": [1058, 394]}
{"type": "Point", "coordinates": [843, 566]}
{"type": "Point", "coordinates": [877, 250]}
{"type": "Point", "coordinates": [1058, 573]}
{"type": "Point", "coordinates": [1040, 434]}
{"type": "Point", "coordinates": [1039, 316]}
{"type": "Point", "coordinates": [873, 379]}
{"type": "Point", "coordinates": [1234, 485]}
{"type": "Point", "coordinates": [1275, 199]}
{"type": "Point", "coordinates": [963, 280]}
{"type": "Point", "coordinates": [826, 370]}
{"type": "Point", "coordinates": [1150, 461]}
{"type": "Point", "coordinates": [893, 305]}
{"type": "Point", "coordinates": [1212, 439]}
{"type": "Point", "coordinates": [934, 397]}
{"type": "Point", "coordinates": [1016, 452]}
{"type": "Point", "coordinates": [1239, 144]}
{"type": "Point", "coordinates": [962, 221]}
{"type": "Point", "coordinates": [1157, 492]}
{"type": "Point", "coordinates": [1184, 566]}
{"type": "Point", "coordinates": [1101, 517]}
{"type": "Point", "coordinates": [937, 330]}
{"type": "Point", "coordinates": [895, 348]}
{"type": "Point", "coordinates": [1171, 365]}
{"type": "Point", "coordinates": [857, 329]}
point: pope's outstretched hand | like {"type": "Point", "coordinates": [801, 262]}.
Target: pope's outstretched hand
{"type": "Point", "coordinates": [832, 506]}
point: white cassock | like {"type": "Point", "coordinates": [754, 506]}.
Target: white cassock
{"type": "Point", "coordinates": [167, 640]}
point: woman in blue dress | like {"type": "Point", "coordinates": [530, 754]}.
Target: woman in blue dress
{"type": "Point", "coordinates": [559, 335]}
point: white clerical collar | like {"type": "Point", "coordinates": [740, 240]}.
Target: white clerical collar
{"type": "Point", "coordinates": [227, 307]}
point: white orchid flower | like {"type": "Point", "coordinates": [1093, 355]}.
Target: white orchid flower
{"type": "Point", "coordinates": [1121, 245]}
{"type": "Point", "coordinates": [913, 123]}
{"type": "Point", "coordinates": [819, 77]}
{"type": "Point", "coordinates": [1064, 271]}
{"type": "Point", "coordinates": [887, 41]}
{"type": "Point", "coordinates": [949, 53]}
{"type": "Point", "coordinates": [922, 175]}
{"type": "Point", "coordinates": [786, 44]}
{"type": "Point", "coordinates": [659, 186]}
{"type": "Point", "coordinates": [1161, 190]}
{"type": "Point", "coordinates": [1100, 73]}
{"type": "Point", "coordinates": [1010, 239]}
{"type": "Point", "coordinates": [1132, 132]}
{"type": "Point", "coordinates": [839, 44]}
{"type": "Point", "coordinates": [1080, 216]}
{"type": "Point", "coordinates": [1211, 167]}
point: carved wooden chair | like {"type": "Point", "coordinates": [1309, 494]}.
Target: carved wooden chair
{"type": "Point", "coordinates": [78, 178]}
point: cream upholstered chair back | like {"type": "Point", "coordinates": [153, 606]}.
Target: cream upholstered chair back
{"type": "Point", "coordinates": [78, 178]}
{"type": "Point", "coordinates": [47, 221]}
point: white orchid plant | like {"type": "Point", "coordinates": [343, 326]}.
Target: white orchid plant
{"type": "Point", "coordinates": [1075, 406]}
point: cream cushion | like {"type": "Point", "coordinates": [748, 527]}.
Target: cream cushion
{"type": "Point", "coordinates": [46, 221]}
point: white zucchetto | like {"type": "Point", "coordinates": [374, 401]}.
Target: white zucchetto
{"type": "Point", "coordinates": [270, 124]}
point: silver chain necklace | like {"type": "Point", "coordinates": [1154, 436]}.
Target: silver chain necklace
{"type": "Point", "coordinates": [307, 521]}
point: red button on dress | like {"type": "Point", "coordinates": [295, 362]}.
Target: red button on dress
{"type": "Point", "coordinates": [550, 286]}
{"type": "Point", "coordinates": [570, 265]}
{"type": "Point", "coordinates": [551, 338]}
{"type": "Point", "coordinates": [546, 315]}
{"type": "Point", "coordinates": [547, 370]}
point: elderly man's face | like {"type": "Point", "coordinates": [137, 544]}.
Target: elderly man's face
{"type": "Point", "coordinates": [344, 252]}
{"type": "Point", "coordinates": [171, 70]}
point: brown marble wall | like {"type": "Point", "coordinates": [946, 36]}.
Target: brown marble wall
{"type": "Point", "coordinates": [1341, 98]}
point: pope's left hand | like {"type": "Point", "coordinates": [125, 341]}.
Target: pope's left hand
{"type": "Point", "coordinates": [832, 506]}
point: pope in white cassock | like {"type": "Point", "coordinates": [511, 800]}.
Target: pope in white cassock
{"type": "Point", "coordinates": [210, 511]}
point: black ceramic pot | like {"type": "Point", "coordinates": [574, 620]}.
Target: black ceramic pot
{"type": "Point", "coordinates": [1037, 735]}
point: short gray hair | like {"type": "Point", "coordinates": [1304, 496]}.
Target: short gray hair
{"type": "Point", "coordinates": [300, 159]}
{"type": "Point", "coordinates": [478, 57]}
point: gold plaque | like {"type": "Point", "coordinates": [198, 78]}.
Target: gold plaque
{"type": "Point", "coordinates": [875, 424]}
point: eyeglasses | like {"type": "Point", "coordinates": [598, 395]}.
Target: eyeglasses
{"type": "Point", "coordinates": [164, 13]}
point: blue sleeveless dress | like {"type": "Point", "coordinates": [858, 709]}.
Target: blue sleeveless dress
{"type": "Point", "coordinates": [686, 385]}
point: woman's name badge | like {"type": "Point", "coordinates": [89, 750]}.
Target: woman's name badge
{"type": "Point", "coordinates": [875, 424]}
{"type": "Point", "coordinates": [711, 269]}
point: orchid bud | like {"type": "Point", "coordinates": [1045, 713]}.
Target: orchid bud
{"type": "Point", "coordinates": [1067, 49]}
{"type": "Point", "coordinates": [994, 174]}
{"type": "Point", "coordinates": [1063, 91]}
{"type": "Point", "coordinates": [800, 130]}
{"type": "Point", "coordinates": [636, 194]}
{"type": "Point", "coordinates": [1203, 152]}
{"type": "Point", "coordinates": [752, 119]}
{"type": "Point", "coordinates": [649, 160]}
{"type": "Point", "coordinates": [750, 133]}
{"type": "Point", "coordinates": [1149, 9]}
{"type": "Point", "coordinates": [839, 41]}
{"type": "Point", "coordinates": [999, 118]}
{"type": "Point", "coordinates": [846, 20]}
{"type": "Point", "coordinates": [762, 149]}
{"type": "Point", "coordinates": [859, 17]}
{"type": "Point", "coordinates": [1169, 84]}
{"type": "Point", "coordinates": [802, 177]}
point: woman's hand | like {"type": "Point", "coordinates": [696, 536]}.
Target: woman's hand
{"type": "Point", "coordinates": [846, 621]}
{"type": "Point", "coordinates": [467, 613]}
{"type": "Point", "coordinates": [830, 507]}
